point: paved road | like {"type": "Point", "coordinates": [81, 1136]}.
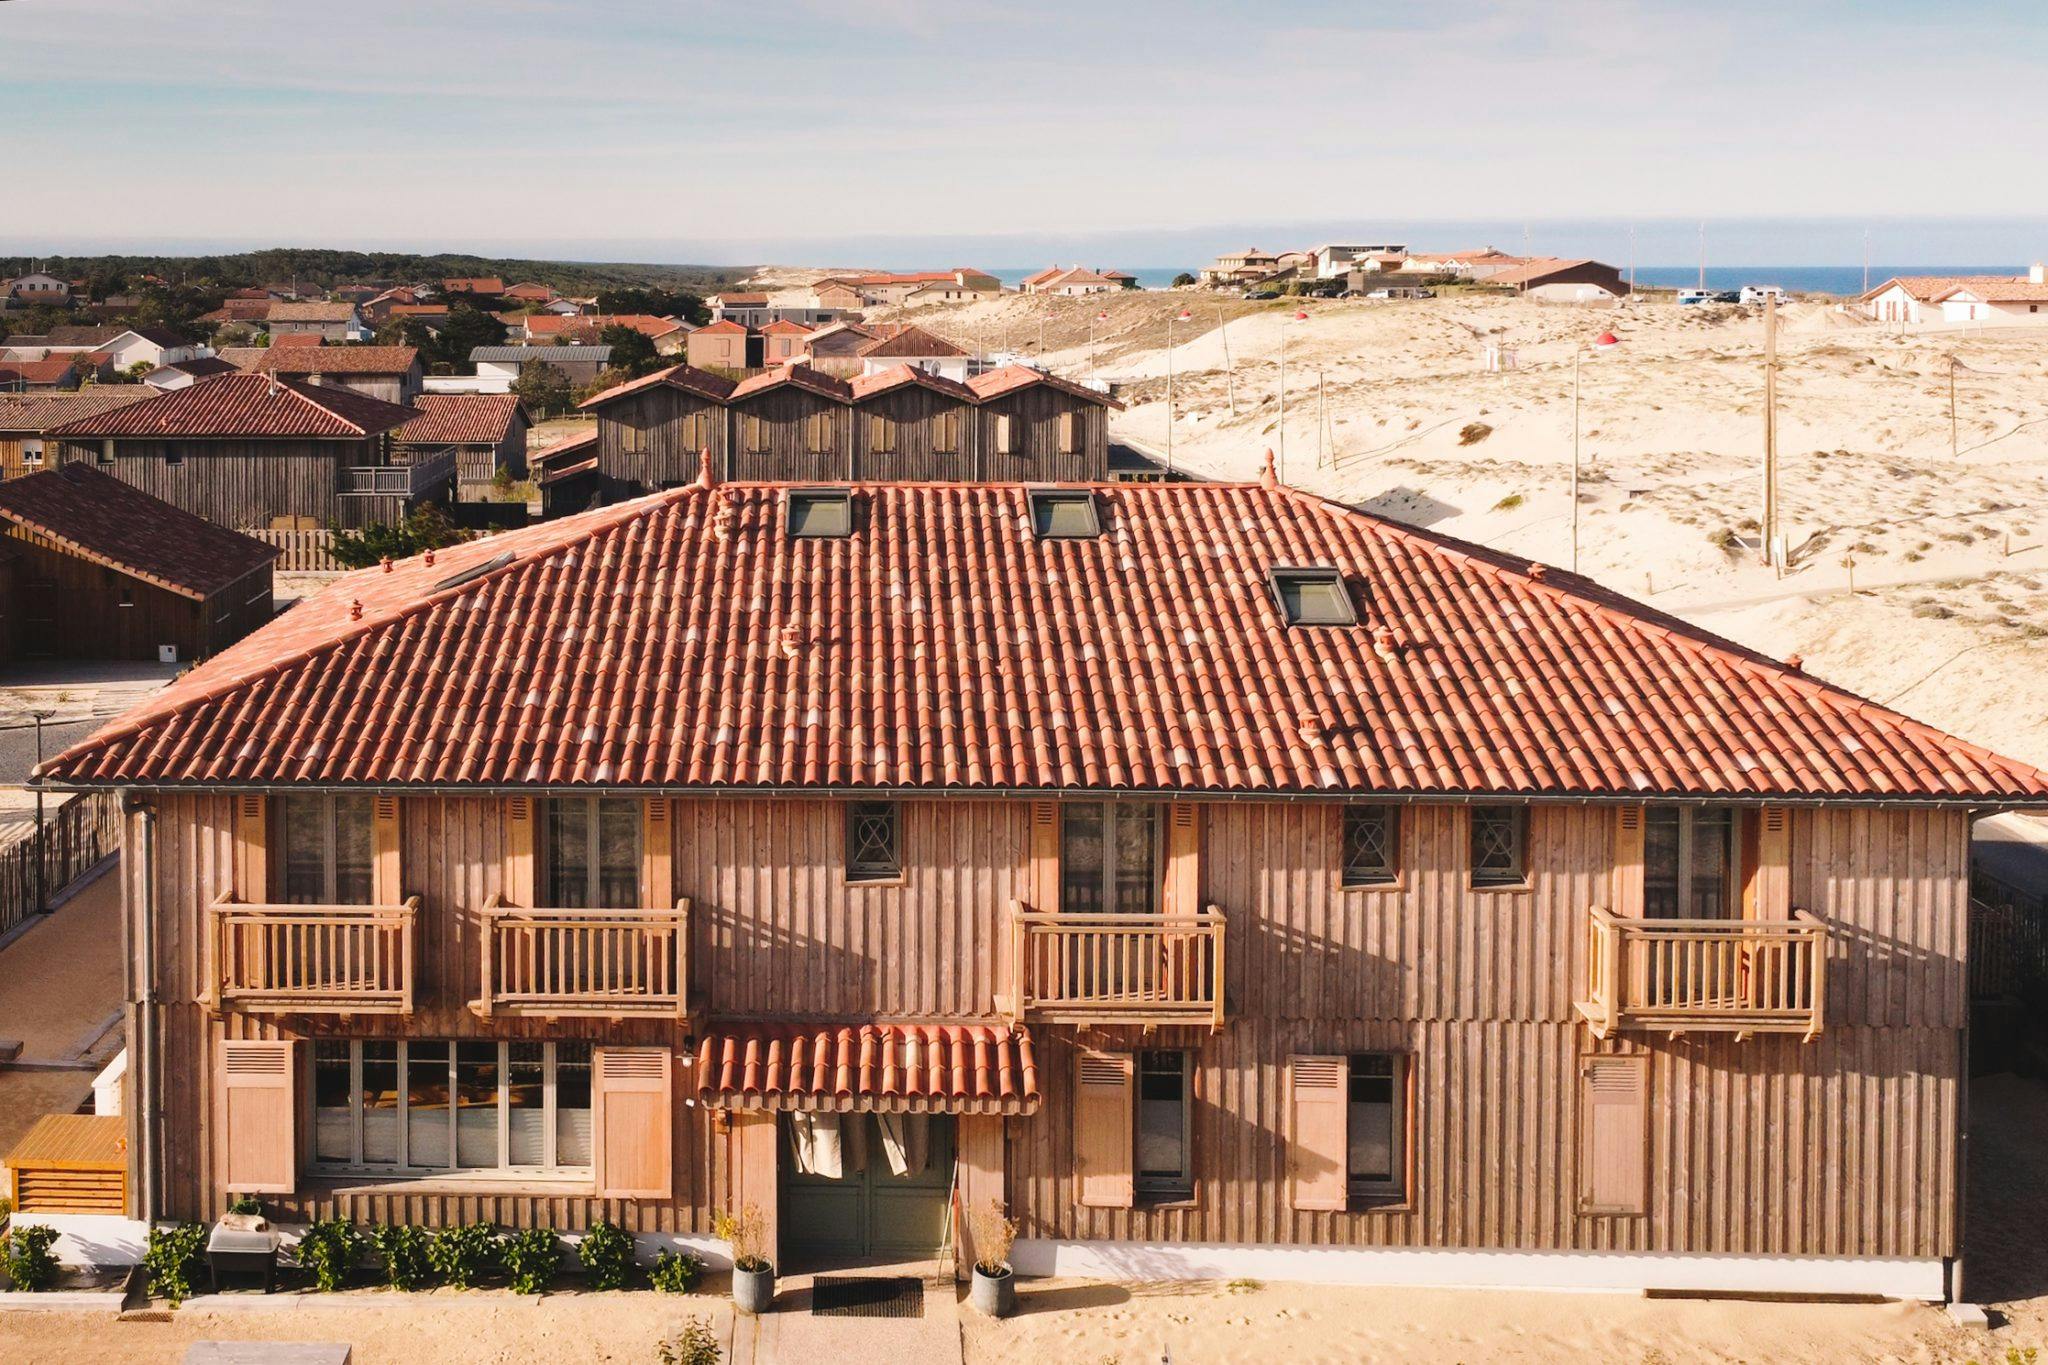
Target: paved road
{"type": "Point", "coordinates": [18, 746]}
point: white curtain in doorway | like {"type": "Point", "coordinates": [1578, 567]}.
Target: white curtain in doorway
{"type": "Point", "coordinates": [906, 1142]}
{"type": "Point", "coordinates": [814, 1142]}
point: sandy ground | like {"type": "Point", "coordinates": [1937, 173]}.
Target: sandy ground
{"type": "Point", "coordinates": [1389, 408]}
{"type": "Point", "coordinates": [60, 986]}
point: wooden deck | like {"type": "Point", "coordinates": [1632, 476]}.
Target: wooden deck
{"type": "Point", "coordinates": [1725, 976]}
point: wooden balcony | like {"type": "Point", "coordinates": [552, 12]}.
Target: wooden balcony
{"type": "Point", "coordinates": [414, 478]}
{"type": "Point", "coordinates": [1116, 969]}
{"type": "Point", "coordinates": [585, 963]}
{"type": "Point", "coordinates": [1720, 976]}
{"type": "Point", "coordinates": [313, 959]}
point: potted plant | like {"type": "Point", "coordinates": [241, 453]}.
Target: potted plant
{"type": "Point", "coordinates": [753, 1278]}
{"type": "Point", "coordinates": [994, 1287]}
{"type": "Point", "coordinates": [245, 1214]}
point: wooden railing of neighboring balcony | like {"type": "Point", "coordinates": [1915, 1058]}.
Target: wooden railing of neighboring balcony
{"type": "Point", "coordinates": [314, 959]}
{"type": "Point", "coordinates": [1110, 969]}
{"type": "Point", "coordinates": [584, 963]}
{"type": "Point", "coordinates": [1725, 976]}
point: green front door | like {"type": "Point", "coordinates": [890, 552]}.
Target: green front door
{"type": "Point", "coordinates": [868, 1211]}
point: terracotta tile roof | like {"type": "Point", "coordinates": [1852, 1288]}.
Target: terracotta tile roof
{"type": "Point", "coordinates": [1535, 271]}
{"type": "Point", "coordinates": [682, 641]}
{"type": "Point", "coordinates": [42, 411]}
{"type": "Point", "coordinates": [247, 405]}
{"type": "Point", "coordinates": [909, 341]}
{"type": "Point", "coordinates": [240, 310]}
{"type": "Point", "coordinates": [783, 327]}
{"type": "Point", "coordinates": [339, 360]}
{"type": "Point", "coordinates": [301, 340]}
{"type": "Point", "coordinates": [685, 377]}
{"type": "Point", "coordinates": [450, 419]}
{"type": "Point", "coordinates": [894, 1068]}
{"type": "Point", "coordinates": [50, 371]}
{"type": "Point", "coordinates": [551, 324]}
{"type": "Point", "coordinates": [1010, 378]}
{"type": "Point", "coordinates": [419, 310]}
{"type": "Point", "coordinates": [242, 357]}
{"type": "Point", "coordinates": [748, 300]}
{"type": "Point", "coordinates": [202, 367]}
{"type": "Point", "coordinates": [566, 460]}
{"type": "Point", "coordinates": [538, 293]}
{"type": "Point", "coordinates": [801, 376]}
{"type": "Point", "coordinates": [722, 327]}
{"type": "Point", "coordinates": [868, 386]}
{"type": "Point", "coordinates": [1997, 289]}
{"type": "Point", "coordinates": [310, 312]}
{"type": "Point", "coordinates": [474, 284]}
{"type": "Point", "coordinates": [98, 517]}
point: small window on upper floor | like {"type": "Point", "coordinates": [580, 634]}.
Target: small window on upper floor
{"type": "Point", "coordinates": [1312, 596]}
{"type": "Point", "coordinates": [1500, 846]}
{"type": "Point", "coordinates": [819, 513]}
{"type": "Point", "coordinates": [873, 847]}
{"type": "Point", "coordinates": [1372, 840]}
{"type": "Point", "coordinates": [1064, 514]}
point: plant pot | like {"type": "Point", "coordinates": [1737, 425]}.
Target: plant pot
{"type": "Point", "coordinates": [244, 1222]}
{"type": "Point", "coordinates": [753, 1291]}
{"type": "Point", "coordinates": [995, 1295]}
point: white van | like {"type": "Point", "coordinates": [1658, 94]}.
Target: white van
{"type": "Point", "coordinates": [1762, 293]}
{"type": "Point", "coordinates": [1695, 295]}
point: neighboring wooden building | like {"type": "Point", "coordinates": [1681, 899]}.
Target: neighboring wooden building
{"type": "Point", "coordinates": [328, 321]}
{"type": "Point", "coordinates": [909, 423]}
{"type": "Point", "coordinates": [487, 432]}
{"type": "Point", "coordinates": [651, 434]}
{"type": "Point", "coordinates": [392, 373]}
{"type": "Point", "coordinates": [1228, 882]}
{"type": "Point", "coordinates": [101, 570]}
{"type": "Point", "coordinates": [252, 451]}
{"type": "Point", "coordinates": [1034, 426]}
{"type": "Point", "coordinates": [25, 418]}
{"type": "Point", "coordinates": [1559, 281]}
{"type": "Point", "coordinates": [791, 423]}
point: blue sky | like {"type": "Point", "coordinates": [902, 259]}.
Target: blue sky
{"type": "Point", "coordinates": [886, 131]}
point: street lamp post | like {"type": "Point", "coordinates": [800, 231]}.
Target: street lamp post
{"type": "Point", "coordinates": [1605, 341]}
{"type": "Point", "coordinates": [42, 887]}
{"type": "Point", "coordinates": [1182, 316]}
{"type": "Point", "coordinates": [1299, 316]}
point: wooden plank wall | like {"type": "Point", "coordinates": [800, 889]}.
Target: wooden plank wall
{"type": "Point", "coordinates": [914, 415]}
{"type": "Point", "coordinates": [1844, 1146]}
{"type": "Point", "coordinates": [237, 483]}
{"type": "Point", "coordinates": [82, 602]}
{"type": "Point", "coordinates": [786, 450]}
{"type": "Point", "coordinates": [1034, 454]}
{"type": "Point", "coordinates": [677, 427]}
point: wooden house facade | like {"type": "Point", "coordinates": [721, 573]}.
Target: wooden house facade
{"type": "Point", "coordinates": [1339, 902]}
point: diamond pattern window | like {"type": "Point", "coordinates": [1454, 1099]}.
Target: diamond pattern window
{"type": "Point", "coordinates": [1500, 837]}
{"type": "Point", "coordinates": [1371, 845]}
{"type": "Point", "coordinates": [872, 848]}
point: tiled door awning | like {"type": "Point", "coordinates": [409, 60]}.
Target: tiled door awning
{"type": "Point", "coordinates": [892, 1068]}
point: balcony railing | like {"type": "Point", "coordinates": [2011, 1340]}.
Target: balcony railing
{"type": "Point", "coordinates": [314, 959]}
{"type": "Point", "coordinates": [1724, 976]}
{"type": "Point", "coordinates": [1117, 969]}
{"type": "Point", "coordinates": [585, 963]}
{"type": "Point", "coordinates": [422, 475]}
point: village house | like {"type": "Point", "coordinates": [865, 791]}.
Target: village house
{"type": "Point", "coordinates": [1334, 262]}
{"type": "Point", "coordinates": [566, 476]}
{"type": "Point", "coordinates": [783, 342]}
{"type": "Point", "coordinates": [484, 291]}
{"type": "Point", "coordinates": [92, 568]}
{"type": "Point", "coordinates": [25, 417]}
{"type": "Point", "coordinates": [1071, 282]}
{"type": "Point", "coordinates": [883, 289]}
{"type": "Point", "coordinates": [58, 372]}
{"type": "Point", "coordinates": [835, 297]}
{"type": "Point", "coordinates": [1482, 264]}
{"type": "Point", "coordinates": [907, 345]}
{"type": "Point", "coordinates": [487, 432]}
{"type": "Point", "coordinates": [529, 292]}
{"type": "Point", "coordinates": [181, 374]}
{"type": "Point", "coordinates": [36, 289]}
{"type": "Point", "coordinates": [392, 373]}
{"type": "Point", "coordinates": [722, 345]}
{"type": "Point", "coordinates": [834, 349]}
{"type": "Point", "coordinates": [123, 347]}
{"type": "Point", "coordinates": [328, 321]}
{"type": "Point", "coordinates": [1980, 299]}
{"type": "Point", "coordinates": [1227, 882]}
{"type": "Point", "coordinates": [668, 334]}
{"type": "Point", "coordinates": [498, 366]}
{"type": "Point", "coordinates": [1551, 280]}
{"type": "Point", "coordinates": [746, 307]}
{"type": "Point", "coordinates": [1239, 267]}
{"type": "Point", "coordinates": [253, 451]}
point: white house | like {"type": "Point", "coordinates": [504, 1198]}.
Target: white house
{"type": "Point", "coordinates": [37, 287]}
{"type": "Point", "coordinates": [1331, 262]}
{"type": "Point", "coordinates": [1991, 300]}
{"type": "Point", "coordinates": [916, 347]}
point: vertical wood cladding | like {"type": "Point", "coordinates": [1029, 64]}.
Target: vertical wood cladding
{"type": "Point", "coordinates": [1768, 1145]}
{"type": "Point", "coordinates": [655, 438]}
{"type": "Point", "coordinates": [237, 483]}
{"type": "Point", "coordinates": [912, 433]}
{"type": "Point", "coordinates": [789, 433]}
{"type": "Point", "coordinates": [1020, 438]}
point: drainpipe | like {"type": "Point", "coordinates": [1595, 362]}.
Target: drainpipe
{"type": "Point", "coordinates": [139, 931]}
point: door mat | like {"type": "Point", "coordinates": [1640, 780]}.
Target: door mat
{"type": "Point", "coordinates": [895, 1296]}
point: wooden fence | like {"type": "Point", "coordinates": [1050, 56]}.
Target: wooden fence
{"type": "Point", "coordinates": [304, 551]}
{"type": "Point", "coordinates": [2008, 940]}
{"type": "Point", "coordinates": [75, 837]}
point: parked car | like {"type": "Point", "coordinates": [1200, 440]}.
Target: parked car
{"type": "Point", "coordinates": [1262, 294]}
{"type": "Point", "coordinates": [1728, 296]}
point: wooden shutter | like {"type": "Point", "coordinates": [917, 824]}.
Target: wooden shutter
{"type": "Point", "coordinates": [1628, 861]}
{"type": "Point", "coordinates": [634, 1151]}
{"type": "Point", "coordinates": [386, 876]}
{"type": "Point", "coordinates": [1773, 899]}
{"type": "Point", "coordinates": [252, 863]}
{"type": "Point", "coordinates": [1066, 433]}
{"type": "Point", "coordinates": [657, 855]}
{"type": "Point", "coordinates": [256, 1114]}
{"type": "Point", "coordinates": [1003, 433]}
{"type": "Point", "coordinates": [1613, 1134]}
{"type": "Point", "coordinates": [1103, 1137]}
{"type": "Point", "coordinates": [1042, 880]}
{"type": "Point", "coordinates": [519, 837]}
{"type": "Point", "coordinates": [1318, 1131]}
{"type": "Point", "coordinates": [1183, 859]}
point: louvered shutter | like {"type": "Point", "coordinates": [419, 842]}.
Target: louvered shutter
{"type": "Point", "coordinates": [1042, 881]}
{"type": "Point", "coordinates": [386, 874]}
{"type": "Point", "coordinates": [519, 837]}
{"type": "Point", "coordinates": [252, 862]}
{"type": "Point", "coordinates": [632, 1117]}
{"type": "Point", "coordinates": [1773, 863]}
{"type": "Point", "coordinates": [657, 855]}
{"type": "Point", "coordinates": [1066, 433]}
{"type": "Point", "coordinates": [1318, 1113]}
{"type": "Point", "coordinates": [1183, 859]}
{"type": "Point", "coordinates": [256, 1116]}
{"type": "Point", "coordinates": [1103, 1138]}
{"type": "Point", "coordinates": [1628, 861]}
{"type": "Point", "coordinates": [1613, 1134]}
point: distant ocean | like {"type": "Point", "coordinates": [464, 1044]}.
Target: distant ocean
{"type": "Point", "coordinates": [1799, 279]}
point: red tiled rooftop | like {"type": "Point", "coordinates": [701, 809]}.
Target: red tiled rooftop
{"type": "Point", "coordinates": [891, 1068]}
{"type": "Point", "coordinates": [868, 386]}
{"type": "Point", "coordinates": [685, 377]}
{"type": "Point", "coordinates": [800, 376]}
{"type": "Point", "coordinates": [247, 405]}
{"type": "Point", "coordinates": [337, 360]}
{"type": "Point", "coordinates": [461, 419]}
{"type": "Point", "coordinates": [722, 327]}
{"type": "Point", "coordinates": [683, 641]}
{"type": "Point", "coordinates": [42, 411]}
{"type": "Point", "coordinates": [107, 521]}
{"type": "Point", "coordinates": [909, 341]}
{"type": "Point", "coordinates": [1010, 378]}
{"type": "Point", "coordinates": [304, 341]}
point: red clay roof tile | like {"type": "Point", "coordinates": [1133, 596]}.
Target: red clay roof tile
{"type": "Point", "coordinates": [107, 521]}
{"type": "Point", "coordinates": [247, 405]}
{"type": "Point", "coordinates": [891, 1068]}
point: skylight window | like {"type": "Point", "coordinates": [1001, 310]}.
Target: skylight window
{"type": "Point", "coordinates": [1064, 514]}
{"type": "Point", "coordinates": [1312, 596]}
{"type": "Point", "coordinates": [819, 513]}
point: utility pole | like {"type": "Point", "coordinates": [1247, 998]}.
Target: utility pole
{"type": "Point", "coordinates": [1322, 418]}
{"type": "Point", "coordinates": [1866, 260]}
{"type": "Point", "coordinates": [1229, 370]}
{"type": "Point", "coordinates": [1954, 437]}
{"type": "Point", "coordinates": [1703, 253]}
{"type": "Point", "coordinates": [1578, 349]}
{"type": "Point", "coordinates": [1171, 318]}
{"type": "Point", "coordinates": [1283, 400]}
{"type": "Point", "coordinates": [1770, 517]}
{"type": "Point", "coordinates": [1631, 258]}
{"type": "Point", "coordinates": [42, 847]}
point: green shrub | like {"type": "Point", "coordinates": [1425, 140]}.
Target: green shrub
{"type": "Point", "coordinates": [404, 1251]}
{"type": "Point", "coordinates": [463, 1254]}
{"type": "Point", "coordinates": [245, 1204]}
{"type": "Point", "coordinates": [607, 1255]}
{"type": "Point", "coordinates": [173, 1260]}
{"type": "Point", "coordinates": [30, 1266]}
{"type": "Point", "coordinates": [330, 1249]}
{"type": "Point", "coordinates": [532, 1256]}
{"type": "Point", "coordinates": [697, 1345]}
{"type": "Point", "coordinates": [426, 527]}
{"type": "Point", "coordinates": [677, 1272]}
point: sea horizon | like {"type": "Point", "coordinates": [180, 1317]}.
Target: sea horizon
{"type": "Point", "coordinates": [1844, 280]}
